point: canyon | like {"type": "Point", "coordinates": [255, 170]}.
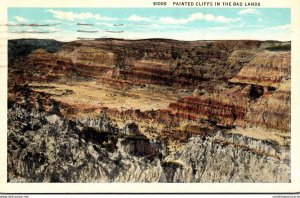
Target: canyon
{"type": "Point", "coordinates": [153, 110]}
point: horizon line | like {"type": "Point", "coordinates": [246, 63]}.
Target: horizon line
{"type": "Point", "coordinates": [154, 38]}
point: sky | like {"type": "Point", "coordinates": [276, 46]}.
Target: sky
{"type": "Point", "coordinates": [141, 23]}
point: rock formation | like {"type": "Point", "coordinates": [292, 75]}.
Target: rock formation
{"type": "Point", "coordinates": [50, 148]}
{"type": "Point", "coordinates": [153, 110]}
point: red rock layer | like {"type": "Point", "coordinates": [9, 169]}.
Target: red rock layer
{"type": "Point", "coordinates": [260, 95]}
{"type": "Point", "coordinates": [208, 108]}
{"type": "Point", "coordinates": [43, 66]}
{"type": "Point", "coordinates": [148, 72]}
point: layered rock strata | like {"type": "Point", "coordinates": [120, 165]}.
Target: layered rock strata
{"type": "Point", "coordinates": [151, 110]}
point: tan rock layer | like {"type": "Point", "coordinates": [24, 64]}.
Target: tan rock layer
{"type": "Point", "coordinates": [267, 68]}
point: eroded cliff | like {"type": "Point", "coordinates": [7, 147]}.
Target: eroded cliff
{"type": "Point", "coordinates": [149, 111]}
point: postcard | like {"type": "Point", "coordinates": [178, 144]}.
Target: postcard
{"type": "Point", "coordinates": [149, 96]}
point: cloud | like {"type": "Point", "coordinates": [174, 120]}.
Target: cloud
{"type": "Point", "coordinates": [106, 24]}
{"type": "Point", "coordinates": [204, 34]}
{"type": "Point", "coordinates": [51, 28]}
{"type": "Point", "coordinates": [71, 16]}
{"type": "Point", "coordinates": [21, 19]}
{"type": "Point", "coordinates": [248, 11]}
{"type": "Point", "coordinates": [11, 23]}
{"type": "Point", "coordinates": [52, 21]}
{"type": "Point", "coordinates": [197, 17]}
{"type": "Point", "coordinates": [277, 28]}
{"type": "Point", "coordinates": [137, 18]}
{"type": "Point", "coordinates": [260, 19]}
{"type": "Point", "coordinates": [196, 34]}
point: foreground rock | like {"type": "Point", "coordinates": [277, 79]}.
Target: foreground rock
{"type": "Point", "coordinates": [45, 147]}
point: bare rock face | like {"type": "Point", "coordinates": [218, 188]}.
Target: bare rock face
{"type": "Point", "coordinates": [131, 129]}
{"type": "Point", "coordinates": [89, 56]}
{"type": "Point", "coordinates": [269, 73]}
{"type": "Point", "coordinates": [239, 156]}
{"type": "Point", "coordinates": [53, 149]}
{"type": "Point", "coordinates": [153, 110]}
{"type": "Point", "coordinates": [99, 124]}
{"type": "Point", "coordinates": [57, 151]}
{"type": "Point", "coordinates": [272, 110]}
{"type": "Point", "coordinates": [267, 68]}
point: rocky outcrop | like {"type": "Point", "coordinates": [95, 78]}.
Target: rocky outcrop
{"type": "Point", "coordinates": [45, 147]}
{"type": "Point", "coordinates": [149, 72]}
{"type": "Point", "coordinates": [88, 56]}
{"type": "Point", "coordinates": [57, 150]}
{"type": "Point", "coordinates": [230, 159]}
{"type": "Point", "coordinates": [100, 124]}
{"type": "Point", "coordinates": [267, 68]}
{"type": "Point", "coordinates": [223, 107]}
{"type": "Point", "coordinates": [269, 74]}
{"type": "Point", "coordinates": [272, 110]}
{"type": "Point", "coordinates": [41, 65]}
